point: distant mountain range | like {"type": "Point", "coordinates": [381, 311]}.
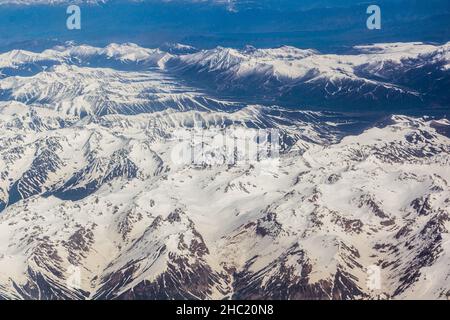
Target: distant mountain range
{"type": "Point", "coordinates": [82, 80]}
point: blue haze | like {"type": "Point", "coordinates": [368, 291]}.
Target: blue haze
{"type": "Point", "coordinates": [324, 24]}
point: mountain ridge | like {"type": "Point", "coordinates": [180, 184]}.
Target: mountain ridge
{"type": "Point", "coordinates": [396, 76]}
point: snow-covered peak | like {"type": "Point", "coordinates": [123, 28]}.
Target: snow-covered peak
{"type": "Point", "coordinates": [127, 52]}
{"type": "Point", "coordinates": [398, 52]}
{"type": "Point", "coordinates": [178, 48]}
{"type": "Point", "coordinates": [131, 52]}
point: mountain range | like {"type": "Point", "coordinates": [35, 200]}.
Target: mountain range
{"type": "Point", "coordinates": [96, 202]}
{"type": "Point", "coordinates": [377, 78]}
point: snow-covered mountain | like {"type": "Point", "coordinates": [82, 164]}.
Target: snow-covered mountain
{"type": "Point", "coordinates": [104, 196]}
{"type": "Point", "coordinates": [376, 76]}
{"type": "Point", "coordinates": [84, 80]}
{"type": "Point", "coordinates": [96, 201]}
{"type": "Point", "coordinates": [389, 77]}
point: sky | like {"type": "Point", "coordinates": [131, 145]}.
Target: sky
{"type": "Point", "coordinates": [327, 25]}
